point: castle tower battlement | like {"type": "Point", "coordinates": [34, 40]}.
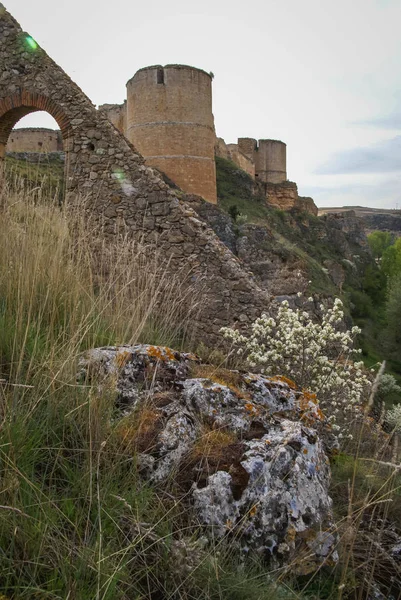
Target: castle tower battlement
{"type": "Point", "coordinates": [269, 156]}
{"type": "Point", "coordinates": [170, 121]}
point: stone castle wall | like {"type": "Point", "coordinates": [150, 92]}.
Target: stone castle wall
{"type": "Point", "coordinates": [121, 193]}
{"type": "Point", "coordinates": [170, 122]}
{"type": "Point", "coordinates": [233, 153]}
{"type": "Point", "coordinates": [268, 156]}
{"type": "Point", "coordinates": [117, 114]}
{"type": "Point", "coordinates": [35, 139]}
{"type": "Point", "coordinates": [168, 118]}
{"type": "Point", "coordinates": [271, 161]}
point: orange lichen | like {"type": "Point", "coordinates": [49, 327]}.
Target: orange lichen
{"type": "Point", "coordinates": [291, 384]}
{"type": "Point", "coordinates": [223, 377]}
{"type": "Point", "coordinates": [310, 413]}
{"type": "Point", "coordinates": [251, 408]}
{"type": "Point", "coordinates": [162, 353]}
{"type": "Point", "coordinates": [308, 397]}
{"type": "Point", "coordinates": [252, 512]}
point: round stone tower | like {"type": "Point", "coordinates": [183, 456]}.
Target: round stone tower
{"type": "Point", "coordinates": [271, 161]}
{"type": "Point", "coordinates": [170, 122]}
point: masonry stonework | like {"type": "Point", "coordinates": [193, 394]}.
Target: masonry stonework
{"type": "Point", "coordinates": [233, 153]}
{"type": "Point", "coordinates": [120, 191]}
{"type": "Point", "coordinates": [117, 114]}
{"type": "Point", "coordinates": [170, 122]}
{"type": "Point", "coordinates": [269, 157]}
{"type": "Point", "coordinates": [35, 139]}
{"type": "Point", "coordinates": [168, 118]}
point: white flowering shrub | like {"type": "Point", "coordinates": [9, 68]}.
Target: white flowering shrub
{"type": "Point", "coordinates": [387, 385]}
{"type": "Point", "coordinates": [317, 356]}
{"type": "Point", "coordinates": [393, 417]}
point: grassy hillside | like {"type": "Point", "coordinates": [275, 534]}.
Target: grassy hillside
{"type": "Point", "coordinates": [315, 241]}
{"type": "Point", "coordinates": [296, 235]}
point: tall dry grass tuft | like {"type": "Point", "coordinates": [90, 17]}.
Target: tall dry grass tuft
{"type": "Point", "coordinates": [64, 287]}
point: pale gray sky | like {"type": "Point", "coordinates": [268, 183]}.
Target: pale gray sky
{"type": "Point", "coordinates": [324, 76]}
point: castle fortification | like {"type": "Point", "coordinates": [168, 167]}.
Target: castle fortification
{"type": "Point", "coordinates": [170, 122]}
{"type": "Point", "coordinates": [168, 118]}
{"type": "Point", "coordinates": [269, 158]}
{"type": "Point", "coordinates": [117, 114]}
{"type": "Point", "coordinates": [35, 139]}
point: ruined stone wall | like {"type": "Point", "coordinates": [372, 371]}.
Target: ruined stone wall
{"type": "Point", "coordinates": [248, 146]}
{"type": "Point", "coordinates": [269, 157]}
{"type": "Point", "coordinates": [170, 121]}
{"type": "Point", "coordinates": [117, 114]}
{"type": "Point", "coordinates": [121, 193]}
{"type": "Point", "coordinates": [34, 139]}
{"type": "Point", "coordinates": [240, 159]}
{"type": "Point", "coordinates": [221, 149]}
{"type": "Point", "coordinates": [233, 153]}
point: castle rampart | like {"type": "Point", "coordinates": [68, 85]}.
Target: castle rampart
{"type": "Point", "coordinates": [170, 121]}
{"type": "Point", "coordinates": [35, 139]}
{"type": "Point", "coordinates": [269, 157]}
{"type": "Point", "coordinates": [233, 153]}
{"type": "Point", "coordinates": [168, 118]}
{"type": "Point", "coordinates": [117, 114]}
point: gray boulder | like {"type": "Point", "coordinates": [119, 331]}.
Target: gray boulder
{"type": "Point", "coordinates": [244, 448]}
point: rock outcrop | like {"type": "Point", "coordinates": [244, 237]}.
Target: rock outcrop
{"type": "Point", "coordinates": [242, 446]}
{"type": "Point", "coordinates": [286, 253]}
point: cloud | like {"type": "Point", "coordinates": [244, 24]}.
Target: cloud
{"type": "Point", "coordinates": [392, 121]}
{"type": "Point", "coordinates": [384, 157]}
{"type": "Point", "coordinates": [380, 194]}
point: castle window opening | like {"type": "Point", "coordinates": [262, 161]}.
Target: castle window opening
{"type": "Point", "coordinates": [40, 144]}
{"type": "Point", "coordinates": [160, 75]}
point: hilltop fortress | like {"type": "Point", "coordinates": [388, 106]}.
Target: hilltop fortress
{"type": "Point", "coordinates": [168, 118]}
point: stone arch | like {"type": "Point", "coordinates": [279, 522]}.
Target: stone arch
{"type": "Point", "coordinates": [22, 103]}
{"type": "Point", "coordinates": [16, 106]}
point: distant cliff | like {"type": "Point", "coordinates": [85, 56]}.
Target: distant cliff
{"type": "Point", "coordinates": [374, 219]}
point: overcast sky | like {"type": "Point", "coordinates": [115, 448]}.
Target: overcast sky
{"type": "Point", "coordinates": [324, 76]}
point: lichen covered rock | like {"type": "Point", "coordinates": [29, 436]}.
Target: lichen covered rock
{"type": "Point", "coordinates": [243, 447]}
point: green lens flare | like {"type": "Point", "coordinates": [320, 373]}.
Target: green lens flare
{"type": "Point", "coordinates": [119, 175]}
{"type": "Point", "coordinates": [31, 42]}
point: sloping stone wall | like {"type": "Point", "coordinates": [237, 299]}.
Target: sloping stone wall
{"type": "Point", "coordinates": [104, 168]}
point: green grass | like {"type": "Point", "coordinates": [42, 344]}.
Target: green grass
{"type": "Point", "coordinates": [46, 175]}
{"type": "Point", "coordinates": [236, 188]}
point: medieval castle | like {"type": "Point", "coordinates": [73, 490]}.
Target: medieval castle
{"type": "Point", "coordinates": [168, 118]}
